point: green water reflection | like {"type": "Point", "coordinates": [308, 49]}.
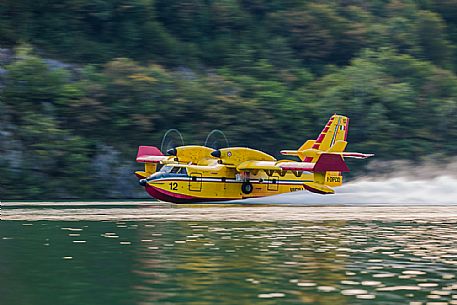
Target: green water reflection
{"type": "Point", "coordinates": [178, 262]}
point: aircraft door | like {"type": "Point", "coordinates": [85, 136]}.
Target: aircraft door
{"type": "Point", "coordinates": [195, 182]}
{"type": "Point", "coordinates": [273, 183]}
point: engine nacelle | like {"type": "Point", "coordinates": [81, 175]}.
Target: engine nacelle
{"type": "Point", "coordinates": [191, 153]}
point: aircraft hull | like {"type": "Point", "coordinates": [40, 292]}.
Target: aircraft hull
{"type": "Point", "coordinates": [185, 190]}
{"type": "Point", "coordinates": [167, 196]}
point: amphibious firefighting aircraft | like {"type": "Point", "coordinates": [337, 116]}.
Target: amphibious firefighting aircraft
{"type": "Point", "coordinates": [198, 173]}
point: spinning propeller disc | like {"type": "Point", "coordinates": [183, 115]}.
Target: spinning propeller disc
{"type": "Point", "coordinates": [171, 139]}
{"type": "Point", "coordinates": [216, 139]}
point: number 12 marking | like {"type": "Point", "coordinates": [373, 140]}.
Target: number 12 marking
{"type": "Point", "coordinates": [173, 186]}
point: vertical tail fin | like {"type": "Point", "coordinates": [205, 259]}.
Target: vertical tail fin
{"type": "Point", "coordinates": [335, 130]}
{"type": "Point", "coordinates": [331, 139]}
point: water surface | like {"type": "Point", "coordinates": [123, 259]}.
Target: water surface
{"type": "Point", "coordinates": [129, 253]}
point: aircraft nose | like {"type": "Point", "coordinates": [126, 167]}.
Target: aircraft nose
{"type": "Point", "coordinates": [216, 153]}
{"type": "Point", "coordinates": [143, 182]}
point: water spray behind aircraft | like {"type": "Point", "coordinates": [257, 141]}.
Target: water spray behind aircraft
{"type": "Point", "coordinates": [439, 190]}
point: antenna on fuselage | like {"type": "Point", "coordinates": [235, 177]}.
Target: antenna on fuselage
{"type": "Point", "coordinates": [214, 141]}
{"type": "Point", "coordinates": [170, 140]}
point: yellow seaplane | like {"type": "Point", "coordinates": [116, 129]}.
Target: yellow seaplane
{"type": "Point", "coordinates": [200, 174]}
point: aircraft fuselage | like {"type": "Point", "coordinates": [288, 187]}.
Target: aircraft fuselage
{"type": "Point", "coordinates": [184, 184]}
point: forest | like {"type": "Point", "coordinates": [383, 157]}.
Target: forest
{"type": "Point", "coordinates": [83, 83]}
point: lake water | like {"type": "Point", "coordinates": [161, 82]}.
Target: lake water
{"type": "Point", "coordinates": [146, 253]}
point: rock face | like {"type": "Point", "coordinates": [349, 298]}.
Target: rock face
{"type": "Point", "coordinates": [43, 158]}
{"type": "Point", "coordinates": [6, 56]}
{"type": "Point", "coordinates": [111, 174]}
{"type": "Point", "coordinates": [116, 173]}
{"type": "Point", "coordinates": [11, 156]}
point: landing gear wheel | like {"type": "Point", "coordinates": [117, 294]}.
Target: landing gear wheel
{"type": "Point", "coordinates": [246, 187]}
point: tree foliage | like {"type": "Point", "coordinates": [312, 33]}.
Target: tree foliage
{"type": "Point", "coordinates": [267, 72]}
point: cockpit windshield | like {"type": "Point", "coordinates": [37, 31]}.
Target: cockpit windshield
{"type": "Point", "coordinates": [169, 171]}
{"type": "Point", "coordinates": [166, 169]}
{"type": "Point", "coordinates": [173, 170]}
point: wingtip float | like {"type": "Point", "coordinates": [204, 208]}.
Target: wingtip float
{"type": "Point", "coordinates": [198, 173]}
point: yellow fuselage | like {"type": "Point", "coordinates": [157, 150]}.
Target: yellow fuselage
{"type": "Point", "coordinates": [221, 182]}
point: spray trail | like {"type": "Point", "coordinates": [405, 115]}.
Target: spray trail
{"type": "Point", "coordinates": [440, 190]}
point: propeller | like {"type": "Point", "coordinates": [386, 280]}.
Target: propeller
{"type": "Point", "coordinates": [171, 139]}
{"type": "Point", "coordinates": [216, 139]}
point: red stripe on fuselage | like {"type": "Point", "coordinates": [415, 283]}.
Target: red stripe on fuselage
{"type": "Point", "coordinates": [167, 196]}
{"type": "Point", "coordinates": [177, 198]}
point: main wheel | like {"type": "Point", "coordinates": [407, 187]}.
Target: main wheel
{"type": "Point", "coordinates": [246, 187]}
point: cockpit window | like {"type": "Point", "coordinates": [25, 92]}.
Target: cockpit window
{"type": "Point", "coordinates": [166, 169]}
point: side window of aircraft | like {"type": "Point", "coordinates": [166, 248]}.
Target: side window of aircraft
{"type": "Point", "coordinates": [175, 170]}
{"type": "Point", "coordinates": [183, 171]}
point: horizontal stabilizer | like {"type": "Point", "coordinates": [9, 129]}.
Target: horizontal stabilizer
{"type": "Point", "coordinates": [289, 152]}
{"type": "Point", "coordinates": [300, 152]}
{"type": "Point", "coordinates": [149, 154]}
{"type": "Point", "coordinates": [308, 144]}
{"type": "Point", "coordinates": [356, 155]}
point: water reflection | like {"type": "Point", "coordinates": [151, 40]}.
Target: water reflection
{"type": "Point", "coordinates": [208, 262]}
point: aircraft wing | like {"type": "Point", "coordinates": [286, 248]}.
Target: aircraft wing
{"type": "Point", "coordinates": [297, 166]}
{"type": "Point", "coordinates": [256, 165]}
{"type": "Point", "coordinates": [150, 154]}
{"type": "Point", "coordinates": [326, 162]}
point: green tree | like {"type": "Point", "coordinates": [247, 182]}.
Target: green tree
{"type": "Point", "coordinates": [431, 31]}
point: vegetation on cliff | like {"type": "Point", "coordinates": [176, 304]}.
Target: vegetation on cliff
{"type": "Point", "coordinates": [267, 73]}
